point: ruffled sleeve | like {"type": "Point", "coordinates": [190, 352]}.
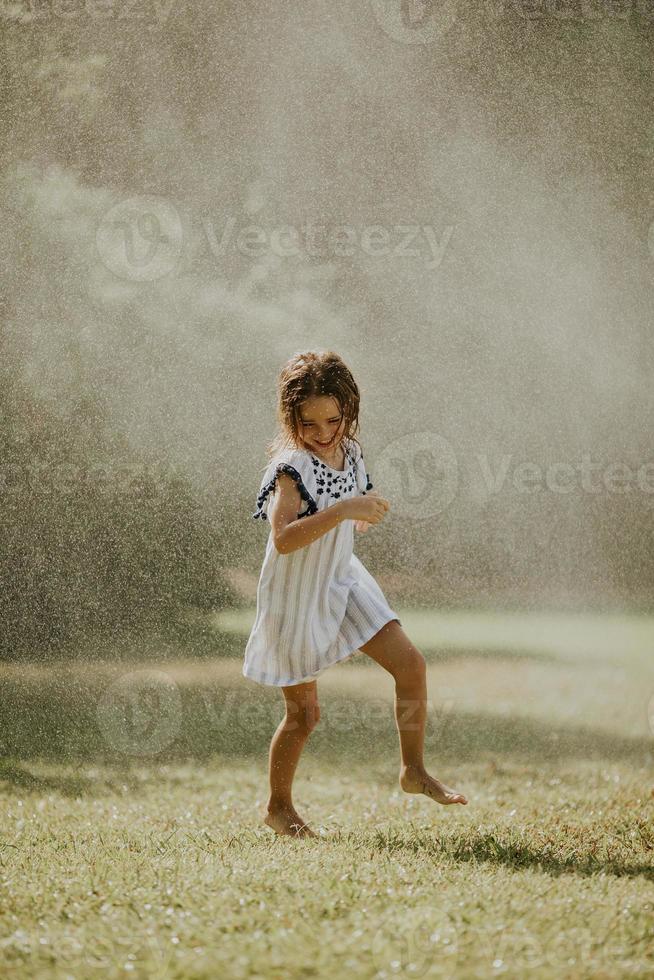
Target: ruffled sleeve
{"type": "Point", "coordinates": [298, 465]}
{"type": "Point", "coordinates": [364, 483]}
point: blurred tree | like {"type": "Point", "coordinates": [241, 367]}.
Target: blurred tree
{"type": "Point", "coordinates": [92, 540]}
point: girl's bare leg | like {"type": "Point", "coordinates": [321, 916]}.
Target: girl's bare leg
{"type": "Point", "coordinates": [302, 715]}
{"type": "Point", "coordinates": [392, 648]}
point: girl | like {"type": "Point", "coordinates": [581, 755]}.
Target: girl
{"type": "Point", "coordinates": [316, 602]}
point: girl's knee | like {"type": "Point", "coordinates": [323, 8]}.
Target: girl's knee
{"type": "Point", "coordinates": [302, 717]}
{"type": "Point", "coordinates": [413, 666]}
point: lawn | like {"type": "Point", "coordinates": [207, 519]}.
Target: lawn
{"type": "Point", "coordinates": [132, 793]}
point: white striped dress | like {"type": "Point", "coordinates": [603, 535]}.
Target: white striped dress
{"type": "Point", "coordinates": [319, 604]}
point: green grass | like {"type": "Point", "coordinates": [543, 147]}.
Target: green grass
{"type": "Point", "coordinates": [132, 793]}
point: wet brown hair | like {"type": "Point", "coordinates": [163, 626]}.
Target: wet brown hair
{"type": "Point", "coordinates": [307, 374]}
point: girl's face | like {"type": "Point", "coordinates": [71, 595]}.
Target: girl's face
{"type": "Point", "coordinates": [321, 423]}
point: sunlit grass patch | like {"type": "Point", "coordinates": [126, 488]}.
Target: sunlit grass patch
{"type": "Point", "coordinates": [170, 872]}
{"type": "Point", "coordinates": [132, 842]}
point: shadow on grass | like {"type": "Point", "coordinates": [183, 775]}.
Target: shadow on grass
{"type": "Point", "coordinates": [69, 785]}
{"type": "Point", "coordinates": [502, 848]}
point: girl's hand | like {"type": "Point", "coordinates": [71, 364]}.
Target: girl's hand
{"type": "Point", "coordinates": [362, 526]}
{"type": "Point", "coordinates": [368, 508]}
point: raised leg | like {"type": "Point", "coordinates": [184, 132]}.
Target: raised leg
{"type": "Point", "coordinates": [392, 649]}
{"type": "Point", "coordinates": [301, 716]}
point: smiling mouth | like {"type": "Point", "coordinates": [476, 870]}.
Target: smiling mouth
{"type": "Point", "coordinates": [324, 443]}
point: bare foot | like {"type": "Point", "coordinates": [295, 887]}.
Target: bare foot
{"type": "Point", "coordinates": [288, 823]}
{"type": "Point", "coordinates": [419, 781]}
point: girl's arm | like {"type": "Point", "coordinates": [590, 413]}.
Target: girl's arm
{"type": "Point", "coordinates": [291, 532]}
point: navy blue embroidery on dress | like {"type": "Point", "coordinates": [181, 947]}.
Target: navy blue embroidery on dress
{"type": "Point", "coordinates": [312, 506]}
{"type": "Point", "coordinates": [334, 482]}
